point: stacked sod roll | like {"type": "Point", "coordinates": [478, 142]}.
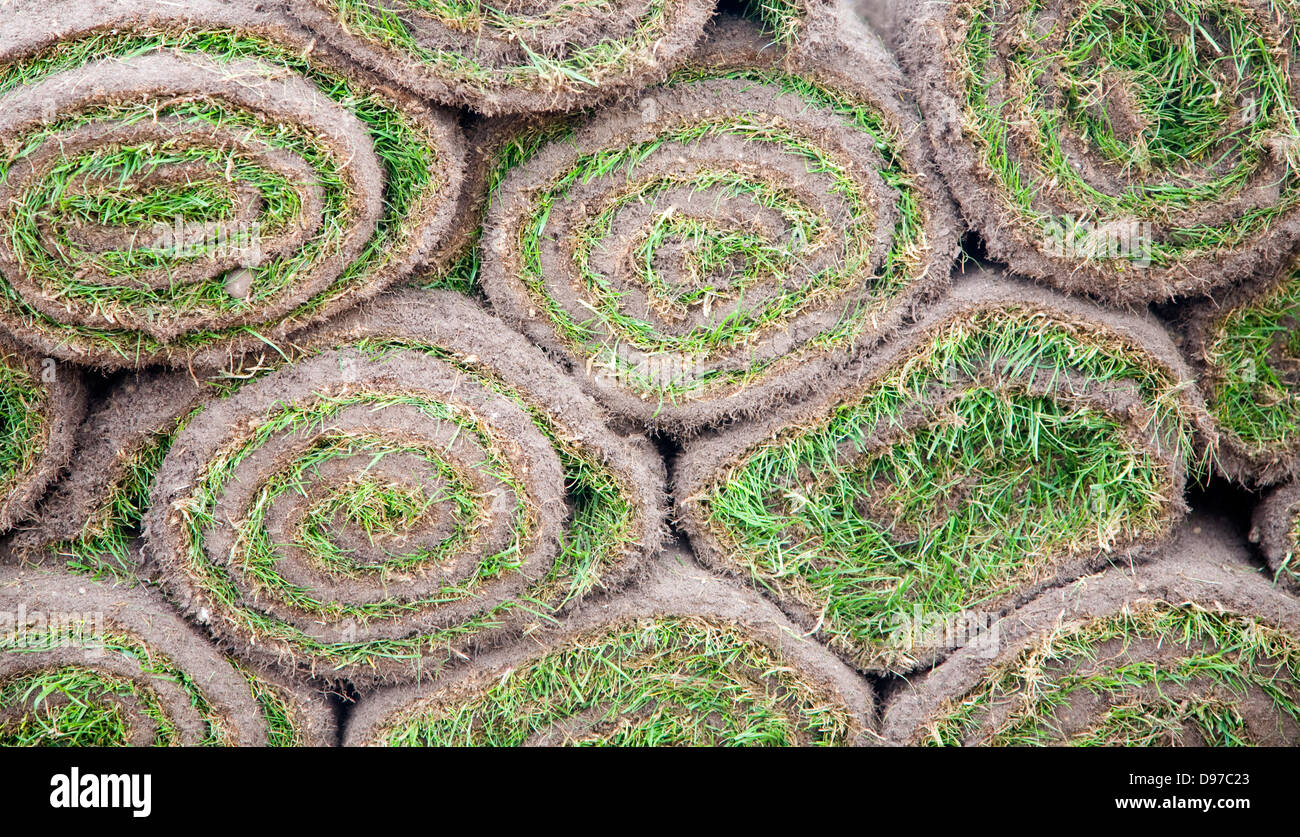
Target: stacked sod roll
{"type": "Point", "coordinates": [82, 664]}
{"type": "Point", "coordinates": [192, 181]}
{"type": "Point", "coordinates": [1010, 440]}
{"type": "Point", "coordinates": [1244, 344]}
{"type": "Point", "coordinates": [1135, 150]}
{"type": "Point", "coordinates": [512, 58]}
{"type": "Point", "coordinates": [686, 660]}
{"type": "Point", "coordinates": [1195, 649]}
{"type": "Point", "coordinates": [41, 404]}
{"type": "Point", "coordinates": [1276, 528]}
{"type": "Point", "coordinates": [410, 484]}
{"type": "Point", "coordinates": [724, 240]}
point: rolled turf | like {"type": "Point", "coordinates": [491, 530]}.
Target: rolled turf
{"type": "Point", "coordinates": [725, 240]}
{"type": "Point", "coordinates": [85, 664]}
{"type": "Point", "coordinates": [1135, 150]}
{"type": "Point", "coordinates": [1011, 439]}
{"type": "Point", "coordinates": [681, 659]}
{"type": "Point", "coordinates": [41, 404]}
{"type": "Point", "coordinates": [409, 484]}
{"type": "Point", "coordinates": [1276, 528]}
{"type": "Point", "coordinates": [190, 181]}
{"type": "Point", "coordinates": [512, 58]}
{"type": "Point", "coordinates": [1195, 649]}
{"type": "Point", "coordinates": [1244, 346]}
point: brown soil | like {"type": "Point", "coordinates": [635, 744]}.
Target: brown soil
{"type": "Point", "coordinates": [864, 72]}
{"type": "Point", "coordinates": [675, 586]}
{"type": "Point", "coordinates": [705, 460]}
{"type": "Point", "coordinates": [149, 620]}
{"type": "Point", "coordinates": [497, 49]}
{"type": "Point", "coordinates": [1273, 528]}
{"type": "Point", "coordinates": [1203, 564]}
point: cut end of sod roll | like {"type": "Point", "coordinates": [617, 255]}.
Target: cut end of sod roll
{"type": "Point", "coordinates": [1134, 150]}
{"type": "Point", "coordinates": [1011, 439]}
{"type": "Point", "coordinates": [411, 484]}
{"type": "Point", "coordinates": [682, 660]}
{"type": "Point", "coordinates": [1192, 649]}
{"type": "Point", "coordinates": [88, 665]}
{"type": "Point", "coordinates": [725, 240]}
{"type": "Point", "coordinates": [1247, 349]}
{"type": "Point", "coordinates": [548, 55]}
{"type": "Point", "coordinates": [187, 182]}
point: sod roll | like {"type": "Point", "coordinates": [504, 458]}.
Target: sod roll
{"type": "Point", "coordinates": [1011, 439]}
{"type": "Point", "coordinates": [1135, 150]}
{"type": "Point", "coordinates": [1276, 528]}
{"type": "Point", "coordinates": [680, 660]}
{"type": "Point", "coordinates": [529, 57]}
{"type": "Point", "coordinates": [416, 484]}
{"type": "Point", "coordinates": [185, 182]}
{"type": "Point", "coordinates": [1195, 650]}
{"type": "Point", "coordinates": [41, 404]}
{"type": "Point", "coordinates": [723, 241]}
{"type": "Point", "coordinates": [1246, 348]}
{"type": "Point", "coordinates": [84, 664]}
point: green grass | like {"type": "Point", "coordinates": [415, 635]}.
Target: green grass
{"type": "Point", "coordinates": [603, 336]}
{"type": "Point", "coordinates": [80, 706]}
{"type": "Point", "coordinates": [652, 682]}
{"type": "Point", "coordinates": [863, 521]}
{"type": "Point", "coordinates": [580, 66]}
{"type": "Point", "coordinates": [408, 156]}
{"type": "Point", "coordinates": [1224, 659]}
{"type": "Point", "coordinates": [24, 422]}
{"type": "Point", "coordinates": [1181, 71]}
{"type": "Point", "coordinates": [1254, 391]}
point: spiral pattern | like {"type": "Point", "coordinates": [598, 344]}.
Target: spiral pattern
{"type": "Point", "coordinates": [41, 404]}
{"type": "Point", "coordinates": [183, 189]}
{"type": "Point", "coordinates": [1009, 439]}
{"type": "Point", "coordinates": [753, 215]}
{"type": "Point", "coordinates": [540, 55]}
{"type": "Point", "coordinates": [1249, 359]}
{"type": "Point", "coordinates": [680, 681]}
{"type": "Point", "coordinates": [87, 665]}
{"type": "Point", "coordinates": [406, 488]}
{"type": "Point", "coordinates": [1197, 654]}
{"type": "Point", "coordinates": [1134, 150]}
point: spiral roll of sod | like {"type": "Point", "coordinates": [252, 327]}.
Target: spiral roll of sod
{"type": "Point", "coordinates": [1135, 150]}
{"type": "Point", "coordinates": [41, 403]}
{"type": "Point", "coordinates": [90, 521]}
{"type": "Point", "coordinates": [1012, 438]}
{"type": "Point", "coordinates": [1245, 348]}
{"type": "Point", "coordinates": [189, 181]}
{"type": "Point", "coordinates": [541, 55]}
{"type": "Point", "coordinates": [83, 664]}
{"type": "Point", "coordinates": [681, 659]}
{"type": "Point", "coordinates": [722, 242]}
{"type": "Point", "coordinates": [1195, 649]}
{"type": "Point", "coordinates": [1276, 528]}
{"type": "Point", "coordinates": [416, 484]}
